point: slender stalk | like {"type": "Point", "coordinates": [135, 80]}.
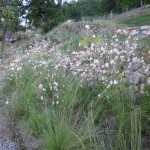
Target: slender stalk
{"type": "Point", "coordinates": [3, 40]}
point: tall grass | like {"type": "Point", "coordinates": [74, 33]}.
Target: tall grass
{"type": "Point", "coordinates": [82, 118]}
{"type": "Point", "coordinates": [66, 36]}
{"type": "Point", "coordinates": [64, 113]}
{"type": "Point", "coordinates": [136, 20]}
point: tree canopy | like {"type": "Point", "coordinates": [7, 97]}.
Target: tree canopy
{"type": "Point", "coordinates": [9, 17]}
{"type": "Point", "coordinates": [44, 13]}
{"type": "Point", "coordinates": [77, 10]}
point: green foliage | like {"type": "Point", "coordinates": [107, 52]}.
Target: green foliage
{"type": "Point", "coordinates": [26, 95]}
{"type": "Point", "coordinates": [88, 41]}
{"type": "Point", "coordinates": [145, 105]}
{"type": "Point", "coordinates": [74, 43]}
{"type": "Point", "coordinates": [137, 20]}
{"type": "Point", "coordinates": [44, 14]}
{"type": "Point", "coordinates": [51, 23]}
{"type": "Point", "coordinates": [64, 36]}
{"type": "Point", "coordinates": [81, 8]}
{"type": "Point", "coordinates": [36, 123]}
{"type": "Point", "coordinates": [58, 137]}
{"type": "Point", "coordinates": [86, 117]}
{"type": "Point", "coordinates": [82, 117]}
{"type": "Point", "coordinates": [145, 45]}
{"type": "Point", "coordinates": [128, 4]}
{"type": "Point", "coordinates": [9, 15]}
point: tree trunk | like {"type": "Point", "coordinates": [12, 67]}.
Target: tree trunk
{"type": "Point", "coordinates": [141, 3]}
{"type": "Point", "coordinates": [3, 40]}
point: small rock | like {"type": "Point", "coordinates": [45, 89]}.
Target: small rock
{"type": "Point", "coordinates": [123, 74]}
{"type": "Point", "coordinates": [147, 71]}
{"type": "Point", "coordinates": [142, 88]}
{"type": "Point", "coordinates": [148, 80]}
{"type": "Point", "coordinates": [134, 78]}
{"type": "Point", "coordinates": [135, 66]}
{"type": "Point", "coordinates": [145, 27]}
{"type": "Point", "coordinates": [142, 78]}
{"type": "Point", "coordinates": [136, 89]}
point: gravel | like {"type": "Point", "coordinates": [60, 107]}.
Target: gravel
{"type": "Point", "coordinates": [8, 145]}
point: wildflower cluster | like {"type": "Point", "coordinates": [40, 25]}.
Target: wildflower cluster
{"type": "Point", "coordinates": [70, 94]}
{"type": "Point", "coordinates": [109, 58]}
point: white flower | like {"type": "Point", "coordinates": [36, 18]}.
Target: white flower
{"type": "Point", "coordinates": [118, 31]}
{"type": "Point", "coordinates": [134, 32]}
{"type": "Point", "coordinates": [110, 82]}
{"type": "Point", "coordinates": [94, 36]}
{"type": "Point", "coordinates": [96, 61]}
{"type": "Point", "coordinates": [126, 42]}
{"type": "Point", "coordinates": [7, 102]}
{"type": "Point", "coordinates": [115, 82]}
{"type": "Point", "coordinates": [108, 86]}
{"type": "Point", "coordinates": [116, 57]}
{"type": "Point", "coordinates": [2, 19]}
{"type": "Point", "coordinates": [42, 98]}
{"type": "Point", "coordinates": [99, 95]}
{"type": "Point", "coordinates": [103, 78]}
{"type": "Point", "coordinates": [122, 57]}
{"type": "Point", "coordinates": [115, 50]}
{"type": "Point", "coordinates": [87, 27]}
{"type": "Point", "coordinates": [92, 46]}
{"type": "Point", "coordinates": [106, 65]}
{"type": "Point", "coordinates": [114, 36]}
{"type": "Point", "coordinates": [55, 84]}
{"type": "Point", "coordinates": [125, 32]}
{"type": "Point", "coordinates": [79, 45]}
{"type": "Point", "coordinates": [128, 60]}
{"type": "Point", "coordinates": [19, 68]}
{"type": "Point", "coordinates": [136, 59]}
{"type": "Point", "coordinates": [112, 62]}
{"type": "Point", "coordinates": [12, 64]}
{"type": "Point", "coordinates": [40, 86]}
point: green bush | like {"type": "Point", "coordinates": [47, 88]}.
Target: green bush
{"type": "Point", "coordinates": [53, 22]}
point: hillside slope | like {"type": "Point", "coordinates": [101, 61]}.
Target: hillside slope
{"type": "Point", "coordinates": [134, 12]}
{"type": "Point", "coordinates": [83, 85]}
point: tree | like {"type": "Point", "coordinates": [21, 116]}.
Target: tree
{"type": "Point", "coordinates": [7, 21]}
{"type": "Point", "coordinates": [128, 4]}
{"type": "Point", "coordinates": [9, 17]}
{"type": "Point", "coordinates": [44, 14]}
{"type": "Point", "coordinates": [81, 8]}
